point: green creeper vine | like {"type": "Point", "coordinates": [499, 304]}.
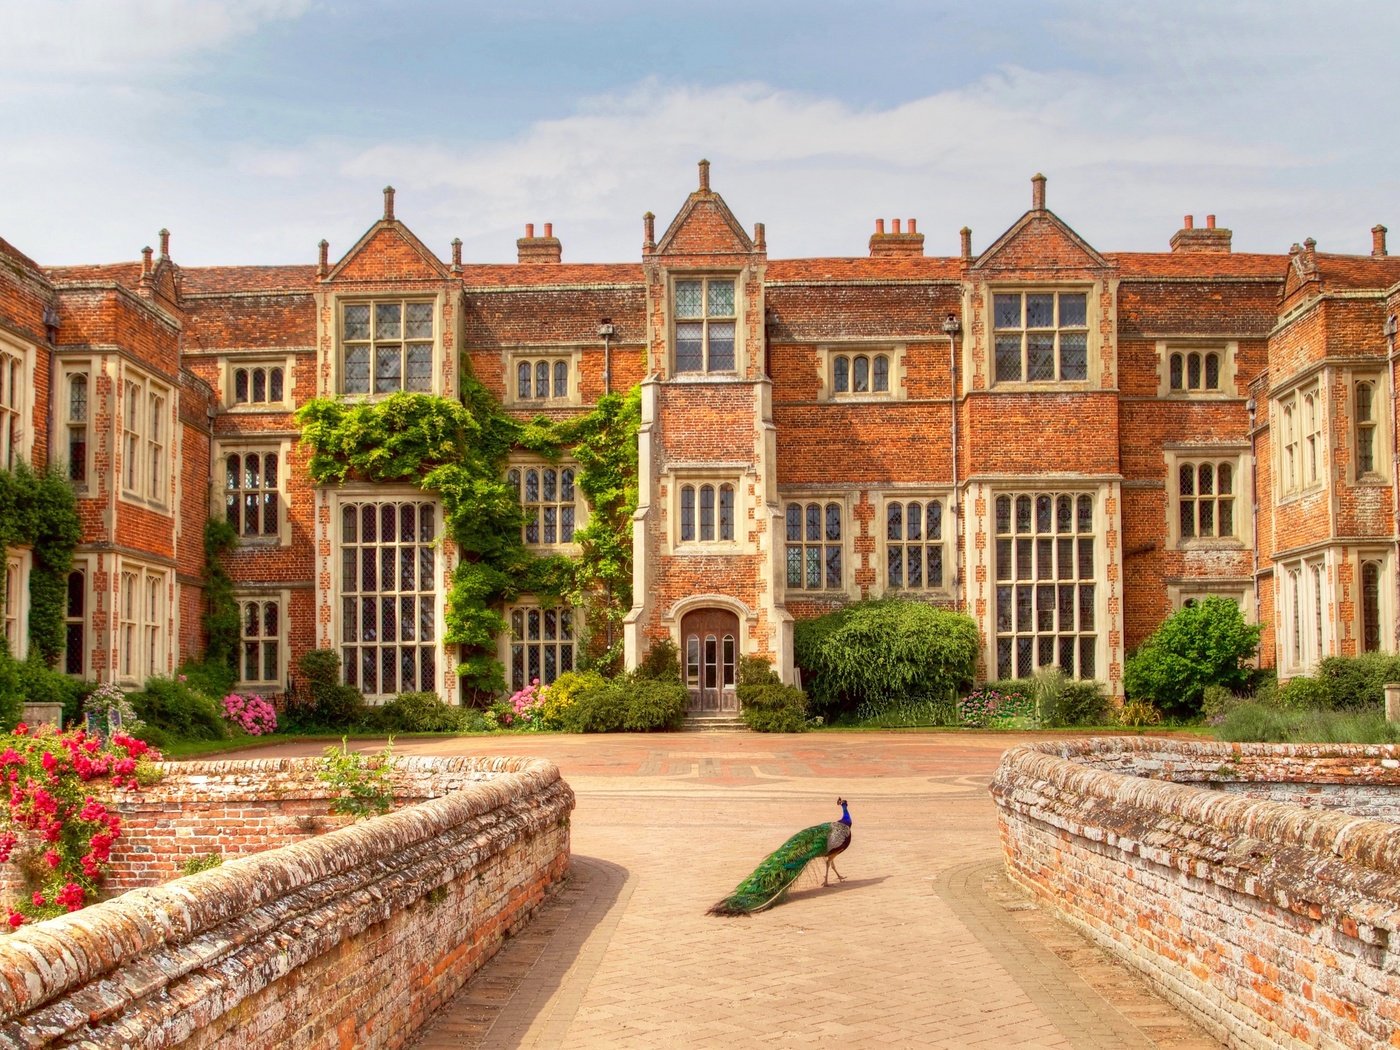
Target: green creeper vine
{"type": "Point", "coordinates": [459, 450]}
{"type": "Point", "coordinates": [221, 622]}
{"type": "Point", "coordinates": [37, 510]}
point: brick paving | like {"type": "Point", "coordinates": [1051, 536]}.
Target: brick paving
{"type": "Point", "coordinates": [924, 945]}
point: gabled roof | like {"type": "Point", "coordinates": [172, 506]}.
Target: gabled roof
{"type": "Point", "coordinates": [704, 225]}
{"type": "Point", "coordinates": [1047, 240]}
{"type": "Point", "coordinates": [389, 251]}
{"type": "Point", "coordinates": [123, 273]}
{"type": "Point", "coordinates": [9, 251]}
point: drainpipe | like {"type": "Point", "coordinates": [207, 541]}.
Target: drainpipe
{"type": "Point", "coordinates": [1390, 329]}
{"type": "Point", "coordinates": [951, 328]}
{"type": "Point", "coordinates": [605, 332]}
{"type": "Point", "coordinates": [1251, 406]}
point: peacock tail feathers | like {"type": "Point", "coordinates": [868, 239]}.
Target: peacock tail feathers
{"type": "Point", "coordinates": [771, 879]}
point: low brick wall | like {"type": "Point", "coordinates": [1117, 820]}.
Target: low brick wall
{"type": "Point", "coordinates": [310, 938]}
{"type": "Point", "coordinates": [1271, 919]}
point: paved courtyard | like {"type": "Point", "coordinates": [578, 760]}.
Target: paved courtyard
{"type": "Point", "coordinates": [924, 945]}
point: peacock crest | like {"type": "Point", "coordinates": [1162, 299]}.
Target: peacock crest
{"type": "Point", "coordinates": [781, 868]}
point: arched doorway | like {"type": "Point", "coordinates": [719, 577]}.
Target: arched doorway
{"type": "Point", "coordinates": [709, 660]}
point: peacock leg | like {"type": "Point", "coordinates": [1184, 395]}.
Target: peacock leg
{"type": "Point", "coordinates": [831, 865]}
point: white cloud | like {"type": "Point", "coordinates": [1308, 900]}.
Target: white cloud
{"type": "Point", "coordinates": [137, 38]}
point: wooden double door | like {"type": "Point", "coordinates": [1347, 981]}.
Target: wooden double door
{"type": "Point", "coordinates": [709, 660]}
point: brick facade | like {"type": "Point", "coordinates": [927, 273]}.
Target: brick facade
{"type": "Point", "coordinates": [1067, 443]}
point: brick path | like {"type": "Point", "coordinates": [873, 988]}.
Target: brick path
{"type": "Point", "coordinates": [925, 945]}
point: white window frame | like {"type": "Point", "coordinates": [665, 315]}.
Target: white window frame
{"type": "Point", "coordinates": [1307, 636]}
{"type": "Point", "coordinates": [707, 321]}
{"type": "Point", "coordinates": [250, 367]}
{"type": "Point", "coordinates": [535, 528]}
{"type": "Point", "coordinates": [1057, 331]}
{"type": "Point", "coordinates": [1024, 551]}
{"type": "Point", "coordinates": [558, 629]}
{"type": "Point", "coordinates": [352, 640]}
{"type": "Point", "coordinates": [76, 418]}
{"type": "Point", "coordinates": [222, 492]}
{"type": "Point", "coordinates": [147, 438]}
{"type": "Point", "coordinates": [261, 637]}
{"type": "Point", "coordinates": [1302, 464]}
{"type": "Point", "coordinates": [927, 546]}
{"type": "Point", "coordinates": [16, 402]}
{"type": "Point", "coordinates": [372, 343]}
{"type": "Point", "coordinates": [1237, 459]}
{"type": "Point", "coordinates": [823, 543]}
{"type": "Point", "coordinates": [82, 619]}
{"type": "Point", "coordinates": [19, 566]}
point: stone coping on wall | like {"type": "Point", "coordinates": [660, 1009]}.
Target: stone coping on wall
{"type": "Point", "coordinates": [155, 965]}
{"type": "Point", "coordinates": [1271, 922]}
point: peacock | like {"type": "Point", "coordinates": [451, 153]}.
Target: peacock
{"type": "Point", "coordinates": [775, 876]}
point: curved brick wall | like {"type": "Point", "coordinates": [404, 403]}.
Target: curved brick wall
{"type": "Point", "coordinates": [312, 938]}
{"type": "Point", "coordinates": [1258, 886]}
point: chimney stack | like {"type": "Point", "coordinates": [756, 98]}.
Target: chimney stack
{"type": "Point", "coordinates": [1037, 192]}
{"type": "Point", "coordinates": [1378, 240]}
{"type": "Point", "coordinates": [1208, 239]}
{"type": "Point", "coordinates": [165, 244]}
{"type": "Point", "coordinates": [456, 255]}
{"type": "Point", "coordinates": [532, 249]}
{"type": "Point", "coordinates": [896, 242]}
{"type": "Point", "coordinates": [323, 265]}
{"type": "Point", "coordinates": [388, 204]}
{"type": "Point", "coordinates": [965, 235]}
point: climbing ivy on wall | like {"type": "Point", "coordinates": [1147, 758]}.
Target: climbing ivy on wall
{"type": "Point", "coordinates": [37, 510]}
{"type": "Point", "coordinates": [221, 620]}
{"type": "Point", "coordinates": [459, 450]}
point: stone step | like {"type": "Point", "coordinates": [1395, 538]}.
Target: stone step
{"type": "Point", "coordinates": [714, 724]}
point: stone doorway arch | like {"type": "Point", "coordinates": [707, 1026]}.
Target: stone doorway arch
{"type": "Point", "coordinates": [710, 660]}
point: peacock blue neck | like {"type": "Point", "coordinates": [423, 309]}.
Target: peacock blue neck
{"type": "Point", "coordinates": [845, 814]}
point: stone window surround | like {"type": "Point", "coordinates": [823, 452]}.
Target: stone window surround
{"type": "Point", "coordinates": [740, 279]}
{"type": "Point", "coordinates": [337, 304]}
{"type": "Point", "coordinates": [19, 564]}
{"type": "Point", "coordinates": [879, 525]}
{"type": "Point", "coordinates": [525, 603]}
{"type": "Point", "coordinates": [146, 491]}
{"type": "Point", "coordinates": [379, 494]}
{"type": "Point", "coordinates": [716, 474]}
{"type": "Point", "coordinates": [1384, 557]}
{"type": "Point", "coordinates": [846, 500]}
{"type": "Point", "coordinates": [1294, 404]}
{"type": "Point", "coordinates": [1381, 428]}
{"type": "Point", "coordinates": [1093, 292]}
{"type": "Point", "coordinates": [17, 410]}
{"type": "Point", "coordinates": [282, 598]}
{"type": "Point", "coordinates": [225, 447]}
{"type": "Point", "coordinates": [68, 369]}
{"type": "Point", "coordinates": [83, 565]}
{"type": "Point", "coordinates": [230, 365]}
{"type": "Point", "coordinates": [897, 353]}
{"type": "Point", "coordinates": [1300, 646]}
{"type": "Point", "coordinates": [1239, 590]}
{"type": "Point", "coordinates": [524, 462]}
{"type": "Point", "coordinates": [149, 637]}
{"type": "Point", "coordinates": [1228, 349]}
{"type": "Point", "coordinates": [510, 364]}
{"type": "Point", "coordinates": [1238, 456]}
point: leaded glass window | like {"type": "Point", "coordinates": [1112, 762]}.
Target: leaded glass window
{"type": "Point", "coordinates": [1206, 499]}
{"type": "Point", "coordinates": [706, 322]}
{"type": "Point", "coordinates": [252, 494]}
{"type": "Point", "coordinates": [260, 641]}
{"type": "Point", "coordinates": [1040, 337]}
{"type": "Point", "coordinates": [548, 501]}
{"type": "Point", "coordinates": [706, 513]}
{"type": "Point", "coordinates": [914, 548]}
{"type": "Point", "coordinates": [814, 546]}
{"type": "Point", "coordinates": [386, 346]}
{"type": "Point", "coordinates": [543, 644]}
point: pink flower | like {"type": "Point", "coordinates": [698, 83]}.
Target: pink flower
{"type": "Point", "coordinates": [39, 901]}
{"type": "Point", "coordinates": [16, 920]}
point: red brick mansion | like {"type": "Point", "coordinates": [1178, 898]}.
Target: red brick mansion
{"type": "Point", "coordinates": [1064, 442]}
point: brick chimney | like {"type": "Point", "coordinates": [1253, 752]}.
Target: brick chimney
{"type": "Point", "coordinates": [1378, 240]}
{"type": "Point", "coordinates": [1191, 239]}
{"type": "Point", "coordinates": [896, 242]}
{"type": "Point", "coordinates": [532, 249]}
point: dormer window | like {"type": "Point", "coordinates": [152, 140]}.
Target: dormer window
{"type": "Point", "coordinates": [706, 322]}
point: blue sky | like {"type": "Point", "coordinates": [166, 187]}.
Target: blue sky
{"type": "Point", "coordinates": [253, 128]}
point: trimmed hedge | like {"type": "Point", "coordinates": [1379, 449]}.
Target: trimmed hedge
{"type": "Point", "coordinates": [773, 708]}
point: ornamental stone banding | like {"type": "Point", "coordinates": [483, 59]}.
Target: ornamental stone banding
{"type": "Point", "coordinates": [1257, 886]}
{"type": "Point", "coordinates": [303, 937]}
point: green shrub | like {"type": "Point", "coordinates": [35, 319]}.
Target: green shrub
{"type": "Point", "coordinates": [321, 700]}
{"type": "Point", "coordinates": [1047, 686]}
{"type": "Point", "coordinates": [1024, 686]}
{"type": "Point", "coordinates": [417, 713]}
{"type": "Point", "coordinates": [179, 712]}
{"type": "Point", "coordinates": [773, 707]}
{"type": "Point", "coordinates": [209, 677]}
{"type": "Point", "coordinates": [1139, 713]}
{"type": "Point", "coordinates": [11, 692]}
{"type": "Point", "coordinates": [653, 705]}
{"type": "Point", "coordinates": [1254, 722]}
{"type": "Point", "coordinates": [601, 709]}
{"type": "Point", "coordinates": [1304, 694]}
{"type": "Point", "coordinates": [661, 663]}
{"type": "Point", "coordinates": [1217, 702]}
{"type": "Point", "coordinates": [40, 684]}
{"type": "Point", "coordinates": [881, 651]}
{"type": "Point", "coordinates": [757, 670]}
{"type": "Point", "coordinates": [1357, 682]}
{"type": "Point", "coordinates": [1083, 703]}
{"type": "Point", "coordinates": [1200, 645]}
{"type": "Point", "coordinates": [360, 782]}
{"type": "Point", "coordinates": [561, 694]}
